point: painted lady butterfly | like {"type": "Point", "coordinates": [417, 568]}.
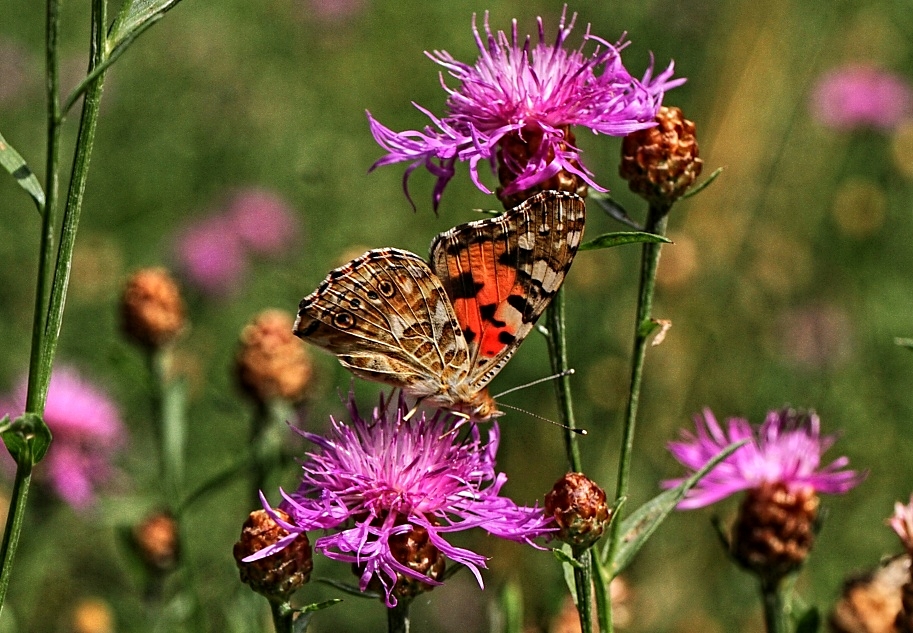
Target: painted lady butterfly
{"type": "Point", "coordinates": [441, 333]}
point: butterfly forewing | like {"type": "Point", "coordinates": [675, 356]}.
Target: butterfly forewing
{"type": "Point", "coordinates": [387, 318]}
{"type": "Point", "coordinates": [501, 273]}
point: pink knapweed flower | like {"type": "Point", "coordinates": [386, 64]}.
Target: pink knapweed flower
{"type": "Point", "coordinates": [263, 222]}
{"type": "Point", "coordinates": [786, 449]}
{"type": "Point", "coordinates": [211, 255]}
{"type": "Point", "coordinates": [533, 92]}
{"type": "Point", "coordinates": [902, 523]}
{"type": "Point", "coordinates": [373, 479]}
{"type": "Point", "coordinates": [87, 432]}
{"type": "Point", "coordinates": [861, 96]}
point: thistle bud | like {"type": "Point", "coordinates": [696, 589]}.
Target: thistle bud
{"type": "Point", "coordinates": [271, 362]}
{"type": "Point", "coordinates": [152, 311]}
{"type": "Point", "coordinates": [517, 149]}
{"type": "Point", "coordinates": [414, 550]}
{"type": "Point", "coordinates": [278, 575]}
{"type": "Point", "coordinates": [579, 508]}
{"type": "Point", "coordinates": [775, 529]}
{"type": "Point", "coordinates": [660, 163]}
{"type": "Point", "coordinates": [157, 542]}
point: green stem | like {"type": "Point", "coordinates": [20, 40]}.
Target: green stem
{"type": "Point", "coordinates": [38, 381]}
{"type": "Point", "coordinates": [14, 521]}
{"type": "Point", "coordinates": [775, 617]}
{"type": "Point", "coordinates": [398, 617]}
{"type": "Point", "coordinates": [557, 354]}
{"type": "Point", "coordinates": [81, 158]}
{"type": "Point", "coordinates": [656, 224]}
{"type": "Point", "coordinates": [583, 582]}
{"type": "Point", "coordinates": [169, 398]}
{"type": "Point", "coordinates": [283, 616]}
{"type": "Point", "coordinates": [602, 591]}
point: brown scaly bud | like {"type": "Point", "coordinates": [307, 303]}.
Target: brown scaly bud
{"type": "Point", "coordinates": [278, 575]}
{"type": "Point", "coordinates": [152, 311]}
{"type": "Point", "coordinates": [872, 602]}
{"type": "Point", "coordinates": [579, 508]}
{"type": "Point", "coordinates": [775, 529]}
{"type": "Point", "coordinates": [157, 541]}
{"type": "Point", "coordinates": [660, 163]}
{"type": "Point", "coordinates": [271, 362]}
{"type": "Point", "coordinates": [517, 148]}
{"type": "Point", "coordinates": [414, 550]}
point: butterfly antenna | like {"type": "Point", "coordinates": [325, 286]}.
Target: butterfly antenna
{"type": "Point", "coordinates": [566, 372]}
{"type": "Point", "coordinates": [544, 419]}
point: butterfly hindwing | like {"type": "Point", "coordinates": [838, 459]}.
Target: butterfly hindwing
{"type": "Point", "coordinates": [501, 273]}
{"type": "Point", "coordinates": [387, 318]}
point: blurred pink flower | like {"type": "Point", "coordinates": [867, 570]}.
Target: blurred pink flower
{"type": "Point", "coordinates": [211, 255]}
{"type": "Point", "coordinates": [902, 523]}
{"type": "Point", "coordinates": [861, 96]}
{"type": "Point", "coordinates": [264, 222]}
{"type": "Point", "coordinates": [332, 10]}
{"type": "Point", "coordinates": [87, 431]}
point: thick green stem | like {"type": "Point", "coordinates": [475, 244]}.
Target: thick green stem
{"type": "Point", "coordinates": [776, 619]}
{"type": "Point", "coordinates": [583, 582]}
{"type": "Point", "coordinates": [656, 224]}
{"type": "Point", "coordinates": [14, 519]}
{"type": "Point", "coordinates": [398, 617]}
{"type": "Point", "coordinates": [602, 590]}
{"type": "Point", "coordinates": [557, 354]}
{"type": "Point", "coordinates": [283, 616]}
{"type": "Point", "coordinates": [169, 399]}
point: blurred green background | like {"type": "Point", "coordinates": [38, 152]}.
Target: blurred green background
{"type": "Point", "coordinates": [787, 283]}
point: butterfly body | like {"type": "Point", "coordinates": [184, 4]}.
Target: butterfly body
{"type": "Point", "coordinates": [442, 331]}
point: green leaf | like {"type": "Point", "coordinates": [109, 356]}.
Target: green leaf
{"type": "Point", "coordinates": [568, 565]}
{"type": "Point", "coordinates": [608, 240]}
{"type": "Point", "coordinates": [510, 605]}
{"type": "Point", "coordinates": [644, 521]}
{"type": "Point", "coordinates": [614, 209]}
{"type": "Point", "coordinates": [809, 622]}
{"type": "Point", "coordinates": [16, 166]}
{"type": "Point", "coordinates": [904, 342]}
{"type": "Point", "coordinates": [703, 185]}
{"type": "Point", "coordinates": [135, 17]}
{"type": "Point", "coordinates": [27, 438]}
{"type": "Point", "coordinates": [301, 622]}
{"type": "Point", "coordinates": [352, 590]}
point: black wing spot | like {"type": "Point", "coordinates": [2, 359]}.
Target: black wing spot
{"type": "Point", "coordinates": [386, 288]}
{"type": "Point", "coordinates": [313, 325]}
{"type": "Point", "coordinates": [373, 296]}
{"type": "Point", "coordinates": [464, 286]}
{"type": "Point", "coordinates": [487, 312]}
{"type": "Point", "coordinates": [506, 337]}
{"type": "Point", "coordinates": [355, 303]}
{"type": "Point", "coordinates": [517, 302]}
{"type": "Point", "coordinates": [336, 274]}
{"type": "Point", "coordinates": [469, 334]}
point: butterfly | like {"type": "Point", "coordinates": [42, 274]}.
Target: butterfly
{"type": "Point", "coordinates": [441, 330]}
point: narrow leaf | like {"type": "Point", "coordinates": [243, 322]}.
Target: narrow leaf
{"type": "Point", "coordinates": [703, 185]}
{"type": "Point", "coordinates": [18, 169]}
{"type": "Point", "coordinates": [352, 590]}
{"type": "Point", "coordinates": [319, 606]}
{"type": "Point", "coordinates": [614, 209]}
{"type": "Point", "coordinates": [608, 240]}
{"type": "Point", "coordinates": [568, 565]}
{"type": "Point", "coordinates": [510, 604]}
{"type": "Point", "coordinates": [135, 17]}
{"type": "Point", "coordinates": [644, 521]}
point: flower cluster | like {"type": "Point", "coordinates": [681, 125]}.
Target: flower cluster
{"type": "Point", "coordinates": [531, 93]}
{"type": "Point", "coordinates": [856, 96]}
{"type": "Point", "coordinates": [88, 433]}
{"type": "Point", "coordinates": [213, 251]}
{"type": "Point", "coordinates": [379, 479]}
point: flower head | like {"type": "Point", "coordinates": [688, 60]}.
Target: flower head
{"type": "Point", "coordinates": [786, 449]}
{"type": "Point", "coordinates": [861, 96]}
{"type": "Point", "coordinates": [264, 222]}
{"type": "Point", "coordinates": [87, 433]}
{"type": "Point", "coordinates": [376, 480]}
{"type": "Point", "coordinates": [534, 93]}
{"type": "Point", "coordinates": [212, 256]}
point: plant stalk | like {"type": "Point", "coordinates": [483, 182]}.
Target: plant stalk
{"type": "Point", "coordinates": [557, 354]}
{"type": "Point", "coordinates": [283, 616]}
{"type": "Point", "coordinates": [398, 617]}
{"type": "Point", "coordinates": [656, 224]}
{"type": "Point", "coordinates": [775, 617]}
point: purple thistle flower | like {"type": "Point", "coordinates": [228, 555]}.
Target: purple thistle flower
{"type": "Point", "coordinates": [211, 255]}
{"type": "Point", "coordinates": [786, 449]}
{"type": "Point", "coordinates": [529, 91]}
{"type": "Point", "coordinates": [264, 222]}
{"type": "Point", "coordinates": [861, 96]}
{"type": "Point", "coordinates": [377, 478]}
{"type": "Point", "coordinates": [87, 433]}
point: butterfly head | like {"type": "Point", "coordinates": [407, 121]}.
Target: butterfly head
{"type": "Point", "coordinates": [480, 407]}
